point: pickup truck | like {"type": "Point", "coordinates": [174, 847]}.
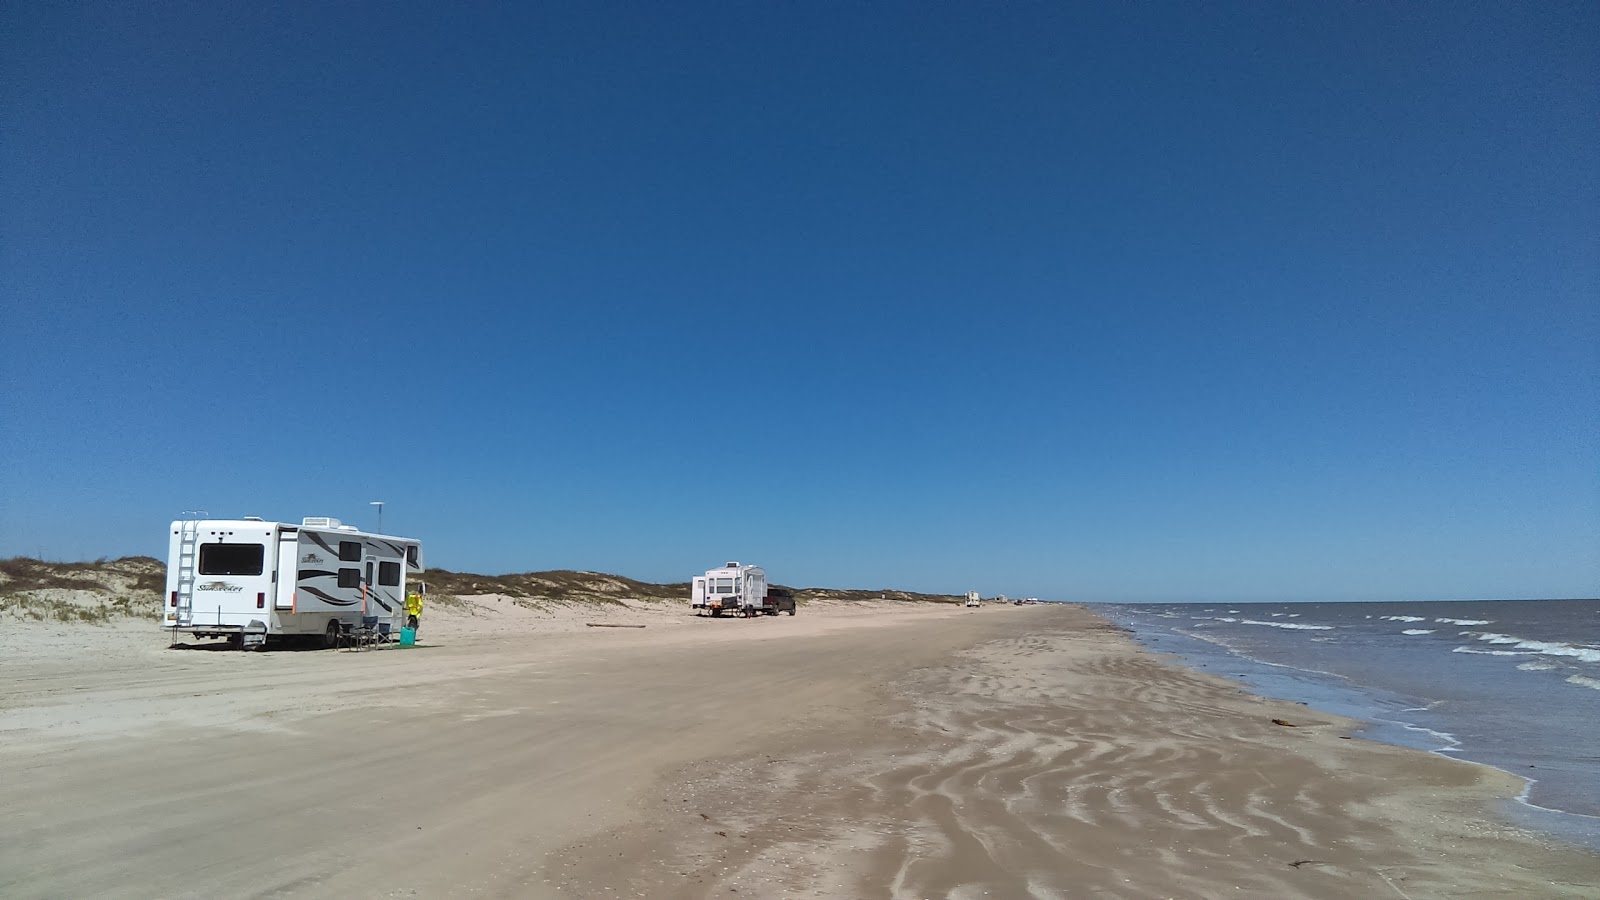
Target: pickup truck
{"type": "Point", "coordinates": [778, 600]}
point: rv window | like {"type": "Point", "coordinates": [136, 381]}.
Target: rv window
{"type": "Point", "coordinates": [411, 554]}
{"type": "Point", "coordinates": [231, 559]}
{"type": "Point", "coordinates": [389, 574]}
{"type": "Point", "coordinates": [349, 578]}
{"type": "Point", "coordinates": [350, 551]}
{"type": "Point", "coordinates": [724, 585]}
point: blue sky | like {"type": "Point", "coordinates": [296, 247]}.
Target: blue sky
{"type": "Point", "coordinates": [1270, 302]}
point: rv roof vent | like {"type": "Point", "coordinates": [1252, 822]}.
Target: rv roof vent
{"type": "Point", "coordinates": [254, 519]}
{"type": "Point", "coordinates": [348, 528]}
{"type": "Point", "coordinates": [319, 522]}
{"type": "Point", "coordinates": [733, 565]}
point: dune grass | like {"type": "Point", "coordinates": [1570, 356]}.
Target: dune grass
{"type": "Point", "coordinates": [102, 590]}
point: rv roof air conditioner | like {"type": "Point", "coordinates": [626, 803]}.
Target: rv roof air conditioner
{"type": "Point", "coordinates": [319, 522]}
{"type": "Point", "coordinates": [253, 519]}
{"type": "Point", "coordinates": [732, 565]}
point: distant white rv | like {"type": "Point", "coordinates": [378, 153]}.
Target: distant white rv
{"type": "Point", "coordinates": [250, 580]}
{"type": "Point", "coordinates": [734, 589]}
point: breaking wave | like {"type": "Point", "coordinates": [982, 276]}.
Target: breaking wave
{"type": "Point", "coordinates": [1405, 618]}
{"type": "Point", "coordinates": [1548, 648]}
{"type": "Point", "coordinates": [1584, 681]}
{"type": "Point", "coordinates": [1463, 622]}
{"type": "Point", "coordinates": [1418, 631]}
{"type": "Point", "coordinates": [1292, 625]}
{"type": "Point", "coordinates": [1492, 652]}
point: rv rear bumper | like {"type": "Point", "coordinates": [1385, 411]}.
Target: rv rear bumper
{"type": "Point", "coordinates": [203, 631]}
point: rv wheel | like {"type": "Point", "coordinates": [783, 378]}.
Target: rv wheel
{"type": "Point", "coordinates": [791, 612]}
{"type": "Point", "coordinates": [330, 638]}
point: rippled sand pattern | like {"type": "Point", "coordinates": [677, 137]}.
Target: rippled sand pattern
{"type": "Point", "coordinates": [1067, 764]}
{"type": "Point", "coordinates": [1086, 781]}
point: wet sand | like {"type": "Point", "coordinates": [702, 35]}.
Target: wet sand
{"type": "Point", "coordinates": [863, 752]}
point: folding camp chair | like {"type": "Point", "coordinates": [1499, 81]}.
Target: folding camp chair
{"type": "Point", "coordinates": [367, 635]}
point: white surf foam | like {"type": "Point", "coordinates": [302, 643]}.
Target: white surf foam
{"type": "Point", "coordinates": [1418, 631]}
{"type": "Point", "coordinates": [1406, 618]}
{"type": "Point", "coordinates": [1492, 652]}
{"type": "Point", "coordinates": [1297, 626]}
{"type": "Point", "coordinates": [1548, 648]}
{"type": "Point", "coordinates": [1448, 742]}
{"type": "Point", "coordinates": [1463, 622]}
{"type": "Point", "coordinates": [1536, 666]}
{"type": "Point", "coordinates": [1584, 681]}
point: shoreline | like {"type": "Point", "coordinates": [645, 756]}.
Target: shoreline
{"type": "Point", "coordinates": [855, 751]}
{"type": "Point", "coordinates": [1341, 694]}
{"type": "Point", "coordinates": [1424, 826]}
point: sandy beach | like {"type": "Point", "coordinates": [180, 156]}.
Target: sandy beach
{"type": "Point", "coordinates": [863, 750]}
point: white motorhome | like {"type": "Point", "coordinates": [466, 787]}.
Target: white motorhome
{"type": "Point", "coordinates": [973, 600]}
{"type": "Point", "coordinates": [734, 589]}
{"type": "Point", "coordinates": [248, 579]}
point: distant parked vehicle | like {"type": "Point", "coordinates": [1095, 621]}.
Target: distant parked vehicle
{"type": "Point", "coordinates": [779, 600]}
{"type": "Point", "coordinates": [973, 600]}
{"type": "Point", "coordinates": [735, 589]}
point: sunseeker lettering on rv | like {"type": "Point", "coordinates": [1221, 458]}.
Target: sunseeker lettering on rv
{"type": "Point", "coordinates": [311, 558]}
{"type": "Point", "coordinates": [220, 586]}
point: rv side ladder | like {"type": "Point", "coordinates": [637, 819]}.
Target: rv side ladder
{"type": "Point", "coordinates": [186, 570]}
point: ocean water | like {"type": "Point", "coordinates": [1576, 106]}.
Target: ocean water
{"type": "Point", "coordinates": [1514, 684]}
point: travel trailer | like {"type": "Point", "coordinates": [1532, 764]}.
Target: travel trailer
{"type": "Point", "coordinates": [249, 580]}
{"type": "Point", "coordinates": [973, 599]}
{"type": "Point", "coordinates": [734, 589]}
